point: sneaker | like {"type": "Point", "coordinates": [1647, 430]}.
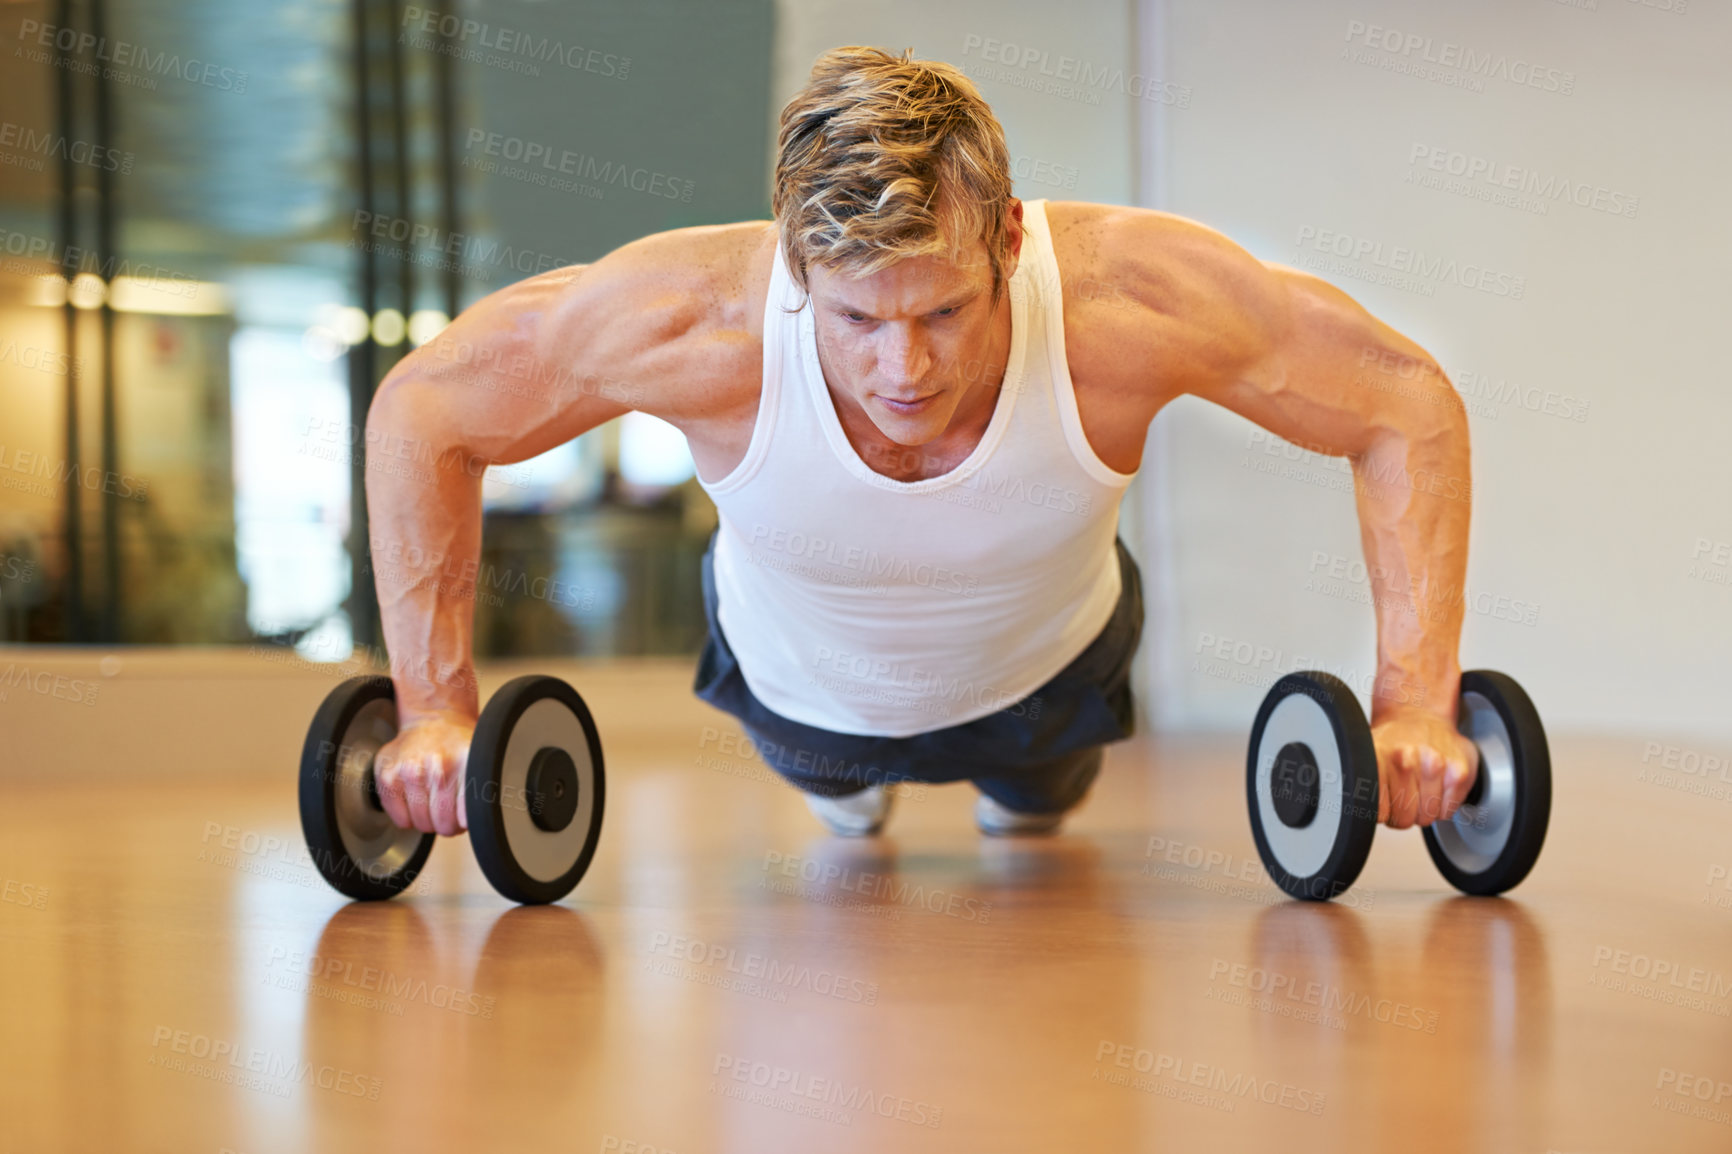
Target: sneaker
{"type": "Point", "coordinates": [854, 815]}
{"type": "Point", "coordinates": [996, 820]}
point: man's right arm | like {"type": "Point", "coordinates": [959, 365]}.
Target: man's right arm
{"type": "Point", "coordinates": [521, 371]}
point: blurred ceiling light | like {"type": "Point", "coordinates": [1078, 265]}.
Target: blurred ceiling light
{"type": "Point", "coordinates": [350, 325]}
{"type": "Point", "coordinates": [389, 327]}
{"type": "Point", "coordinates": [167, 296]}
{"type": "Point", "coordinates": [88, 291]}
{"type": "Point", "coordinates": [157, 296]}
{"type": "Point", "coordinates": [425, 324]}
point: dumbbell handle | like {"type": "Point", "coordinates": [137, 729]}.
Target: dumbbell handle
{"type": "Point", "coordinates": [1476, 793]}
{"type": "Point", "coordinates": [370, 788]}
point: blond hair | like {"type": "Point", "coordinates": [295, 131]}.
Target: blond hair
{"type": "Point", "coordinates": [881, 158]}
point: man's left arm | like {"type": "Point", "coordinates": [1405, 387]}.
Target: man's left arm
{"type": "Point", "coordinates": [1305, 361]}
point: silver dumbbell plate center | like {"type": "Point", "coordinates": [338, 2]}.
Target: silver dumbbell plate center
{"type": "Point", "coordinates": [1477, 834]}
{"type": "Point", "coordinates": [1288, 786]}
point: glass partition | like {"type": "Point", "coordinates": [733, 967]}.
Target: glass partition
{"type": "Point", "coordinates": [221, 224]}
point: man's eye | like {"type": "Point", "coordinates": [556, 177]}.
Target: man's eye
{"type": "Point", "coordinates": [855, 317]}
{"type": "Point", "coordinates": [951, 311]}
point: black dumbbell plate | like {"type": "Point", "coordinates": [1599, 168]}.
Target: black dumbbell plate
{"type": "Point", "coordinates": [536, 789]}
{"type": "Point", "coordinates": [1494, 839]}
{"type": "Point", "coordinates": [1311, 785]}
{"type": "Point", "coordinates": [352, 842]}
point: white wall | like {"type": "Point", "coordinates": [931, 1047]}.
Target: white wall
{"type": "Point", "coordinates": [1592, 521]}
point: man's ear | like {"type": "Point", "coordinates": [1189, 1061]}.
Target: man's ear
{"type": "Point", "coordinates": [1014, 233]}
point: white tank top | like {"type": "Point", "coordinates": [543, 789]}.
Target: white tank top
{"type": "Point", "coordinates": [865, 605]}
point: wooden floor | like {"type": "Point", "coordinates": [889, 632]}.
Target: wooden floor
{"type": "Point", "coordinates": [177, 978]}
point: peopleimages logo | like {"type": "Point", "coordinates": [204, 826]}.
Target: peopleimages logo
{"type": "Point", "coordinates": [122, 56]}
{"type": "Point", "coordinates": [52, 146]}
{"type": "Point", "coordinates": [544, 165]}
{"type": "Point", "coordinates": [43, 683]}
{"type": "Point", "coordinates": [880, 889]}
{"type": "Point", "coordinates": [73, 260]}
{"type": "Point", "coordinates": [1070, 76]}
{"type": "Point", "coordinates": [499, 45]}
{"type": "Point", "coordinates": [47, 476]}
{"type": "Point", "coordinates": [1427, 57]}
{"type": "Point", "coordinates": [1407, 266]}
{"type": "Point", "coordinates": [250, 1067]}
{"type": "Point", "coordinates": [40, 358]}
{"type": "Point", "coordinates": [759, 972]}
{"type": "Point", "coordinates": [1497, 177]}
{"type": "Point", "coordinates": [1118, 1062]}
{"type": "Point", "coordinates": [469, 250]}
{"type": "Point", "coordinates": [799, 1088]}
{"type": "Point", "coordinates": [875, 570]}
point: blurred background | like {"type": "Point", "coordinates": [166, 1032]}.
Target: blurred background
{"type": "Point", "coordinates": [221, 224]}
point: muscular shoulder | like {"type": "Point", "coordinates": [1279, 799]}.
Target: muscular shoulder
{"type": "Point", "coordinates": [677, 315]}
{"type": "Point", "coordinates": [1145, 288]}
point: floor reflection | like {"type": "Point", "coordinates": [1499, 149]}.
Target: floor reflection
{"type": "Point", "coordinates": [1313, 959]}
{"type": "Point", "coordinates": [400, 1003]}
{"type": "Point", "coordinates": [1498, 989]}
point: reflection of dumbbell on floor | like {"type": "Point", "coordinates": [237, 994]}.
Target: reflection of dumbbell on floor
{"type": "Point", "coordinates": [1311, 783]}
{"type": "Point", "coordinates": [534, 788]}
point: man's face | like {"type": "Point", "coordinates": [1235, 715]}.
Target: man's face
{"type": "Point", "coordinates": [908, 344]}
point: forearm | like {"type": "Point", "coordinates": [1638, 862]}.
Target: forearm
{"type": "Point", "coordinates": [1415, 497]}
{"type": "Point", "coordinates": [424, 506]}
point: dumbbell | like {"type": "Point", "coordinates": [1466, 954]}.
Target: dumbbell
{"type": "Point", "coordinates": [534, 789]}
{"type": "Point", "coordinates": [1311, 785]}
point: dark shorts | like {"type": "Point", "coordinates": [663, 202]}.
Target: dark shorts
{"type": "Point", "coordinates": [1039, 755]}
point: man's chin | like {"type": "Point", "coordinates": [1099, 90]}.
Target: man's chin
{"type": "Point", "coordinates": [910, 434]}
